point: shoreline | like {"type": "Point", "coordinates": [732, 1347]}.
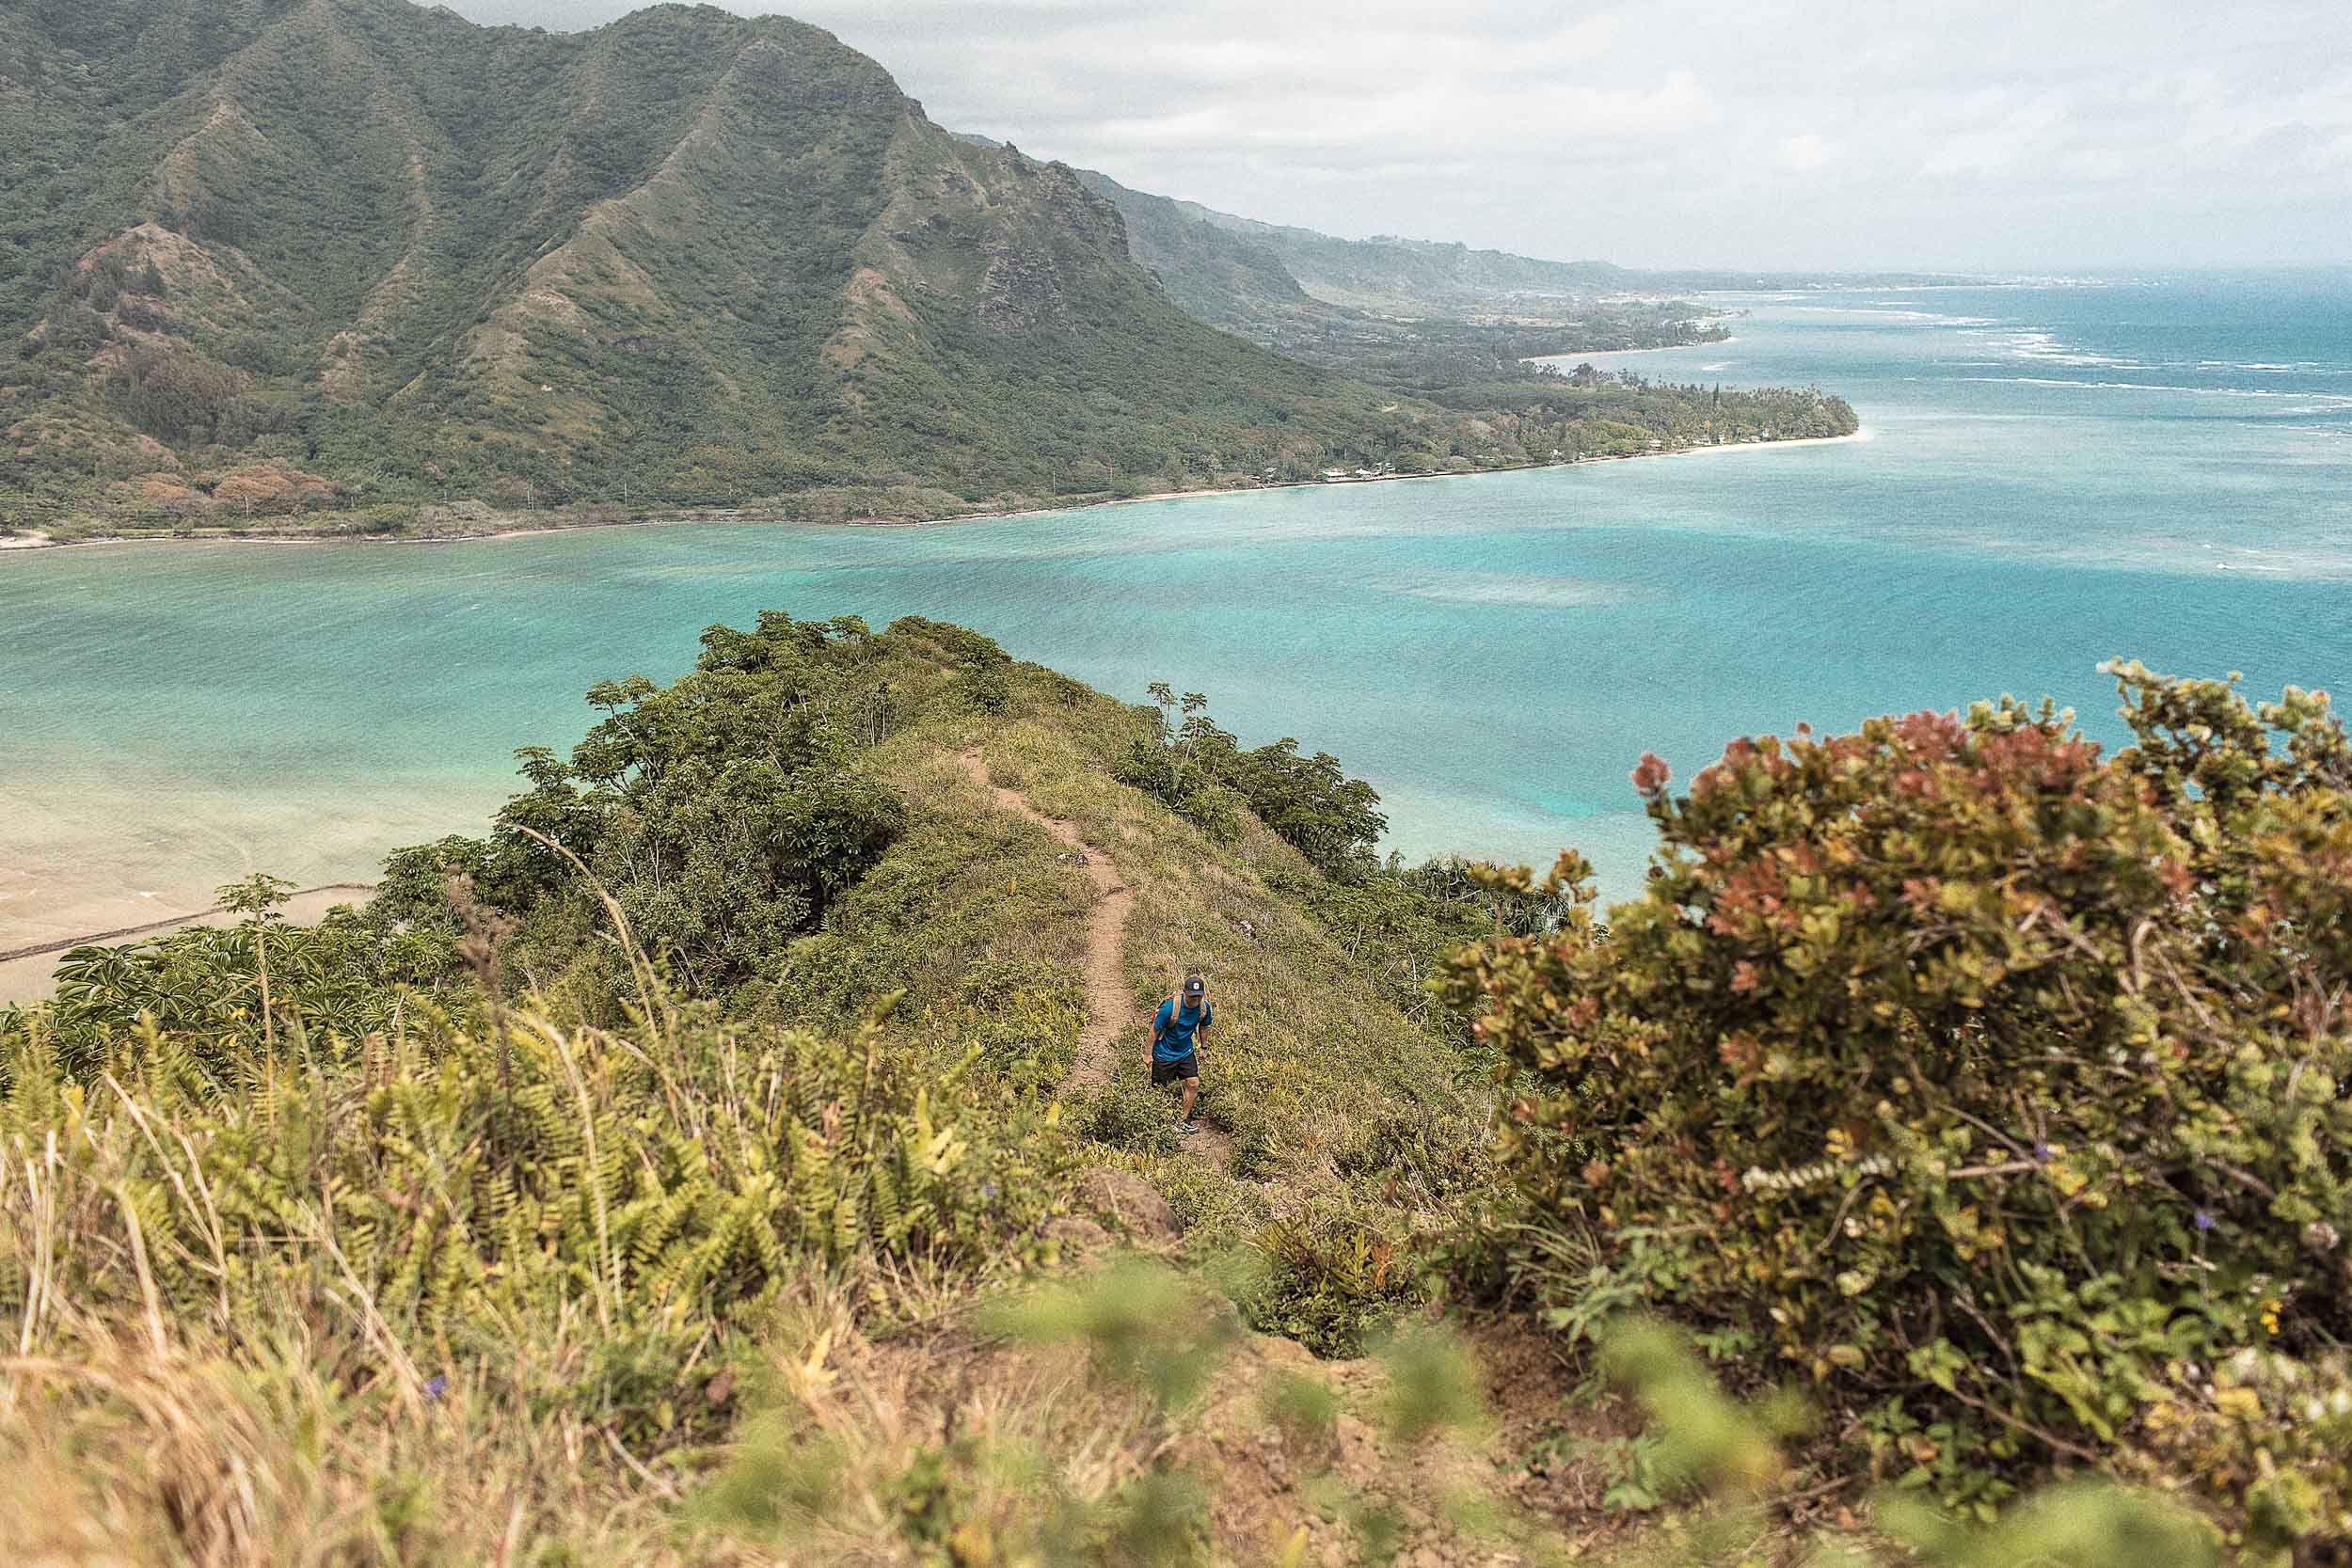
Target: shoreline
{"type": "Point", "coordinates": [751, 515]}
{"type": "Point", "coordinates": [170, 922]}
{"type": "Point", "coordinates": [1723, 341]}
{"type": "Point", "coordinates": [28, 975]}
{"type": "Point", "coordinates": [26, 970]}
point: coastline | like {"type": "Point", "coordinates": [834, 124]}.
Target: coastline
{"type": "Point", "coordinates": [28, 974]}
{"type": "Point", "coordinates": [1655, 348]}
{"type": "Point", "coordinates": [753, 516]}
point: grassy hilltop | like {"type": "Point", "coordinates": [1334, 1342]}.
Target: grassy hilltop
{"type": "Point", "coordinates": [350, 259]}
{"type": "Point", "coordinates": [741, 1154]}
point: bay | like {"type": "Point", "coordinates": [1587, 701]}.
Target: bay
{"type": "Point", "coordinates": [2049, 476]}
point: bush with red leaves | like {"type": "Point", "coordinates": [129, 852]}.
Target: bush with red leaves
{"type": "Point", "coordinates": [1992, 1085]}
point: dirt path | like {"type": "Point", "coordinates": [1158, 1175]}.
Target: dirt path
{"type": "Point", "coordinates": [1113, 1022]}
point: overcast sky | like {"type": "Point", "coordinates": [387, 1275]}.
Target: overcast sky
{"type": "Point", "coordinates": [2074, 135]}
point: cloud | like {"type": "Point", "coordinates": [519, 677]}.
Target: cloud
{"type": "Point", "coordinates": [2007, 132]}
{"type": "Point", "coordinates": [1797, 132]}
{"type": "Point", "coordinates": [1809, 151]}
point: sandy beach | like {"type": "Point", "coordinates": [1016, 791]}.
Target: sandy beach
{"type": "Point", "coordinates": [27, 977]}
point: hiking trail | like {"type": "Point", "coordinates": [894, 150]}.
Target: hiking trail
{"type": "Point", "coordinates": [1112, 1017]}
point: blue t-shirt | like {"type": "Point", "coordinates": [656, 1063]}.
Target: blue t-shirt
{"type": "Point", "coordinates": [1173, 1040]}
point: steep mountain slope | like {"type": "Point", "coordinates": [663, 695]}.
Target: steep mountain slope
{"type": "Point", "coordinates": [1210, 271]}
{"type": "Point", "coordinates": [686, 257]}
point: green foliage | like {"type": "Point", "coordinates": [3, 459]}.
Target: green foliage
{"type": "Point", "coordinates": [1729, 1452]}
{"type": "Point", "coordinates": [462, 1176]}
{"type": "Point", "coordinates": [1399, 924]}
{"type": "Point", "coordinates": [1991, 1084]}
{"type": "Point", "coordinates": [1198, 770]}
{"type": "Point", "coordinates": [1143, 1323]}
{"type": "Point", "coordinates": [723, 813]}
{"type": "Point", "coordinates": [1332, 1274]}
{"type": "Point", "coordinates": [1435, 1383]}
{"type": "Point", "coordinates": [185, 400]}
{"type": "Point", "coordinates": [1709, 1441]}
{"type": "Point", "coordinates": [1128, 1113]}
{"type": "Point", "coordinates": [336, 979]}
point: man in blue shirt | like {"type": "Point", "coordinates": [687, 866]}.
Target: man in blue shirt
{"type": "Point", "coordinates": [1176, 1032]}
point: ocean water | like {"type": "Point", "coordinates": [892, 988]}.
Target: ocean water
{"type": "Point", "coordinates": [2049, 477]}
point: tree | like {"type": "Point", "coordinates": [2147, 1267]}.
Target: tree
{"type": "Point", "coordinates": [258, 898]}
{"type": "Point", "coordinates": [1331, 818]}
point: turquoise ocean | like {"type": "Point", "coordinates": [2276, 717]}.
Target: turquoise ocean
{"type": "Point", "coordinates": [2049, 476]}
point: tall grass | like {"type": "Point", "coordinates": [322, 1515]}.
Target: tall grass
{"type": "Point", "coordinates": [486, 1278]}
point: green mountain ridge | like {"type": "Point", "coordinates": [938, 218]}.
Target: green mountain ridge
{"type": "Point", "coordinates": [709, 255]}
{"type": "Point", "coordinates": [272, 256]}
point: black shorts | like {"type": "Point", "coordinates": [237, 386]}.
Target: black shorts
{"type": "Point", "coordinates": [1185, 1066]}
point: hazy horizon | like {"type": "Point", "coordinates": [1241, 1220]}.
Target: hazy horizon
{"type": "Point", "coordinates": [2121, 135]}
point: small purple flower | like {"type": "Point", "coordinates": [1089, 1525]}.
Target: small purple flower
{"type": "Point", "coordinates": [2205, 1221]}
{"type": "Point", "coordinates": [2041, 1149]}
{"type": "Point", "coordinates": [436, 1386]}
{"type": "Point", "coordinates": [988, 1192]}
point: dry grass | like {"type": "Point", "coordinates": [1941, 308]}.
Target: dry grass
{"type": "Point", "coordinates": [256, 1455]}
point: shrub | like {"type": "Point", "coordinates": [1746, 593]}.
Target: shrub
{"type": "Point", "coordinates": [1989, 1084]}
{"type": "Point", "coordinates": [987, 687]}
{"type": "Point", "coordinates": [1729, 1453]}
{"type": "Point", "coordinates": [1330, 1277]}
{"type": "Point", "coordinates": [723, 812]}
{"type": "Point", "coordinates": [1127, 1113]}
{"type": "Point", "coordinates": [201, 985]}
{"type": "Point", "coordinates": [176, 396]}
{"type": "Point", "coordinates": [1198, 771]}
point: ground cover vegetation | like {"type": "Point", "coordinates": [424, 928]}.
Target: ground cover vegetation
{"type": "Point", "coordinates": [712, 1163]}
{"type": "Point", "coordinates": [360, 268]}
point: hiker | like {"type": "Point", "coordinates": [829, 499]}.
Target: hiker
{"type": "Point", "coordinates": [1176, 1032]}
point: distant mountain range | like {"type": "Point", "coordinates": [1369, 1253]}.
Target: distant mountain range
{"type": "Point", "coordinates": [354, 250]}
{"type": "Point", "coordinates": [1212, 262]}
{"type": "Point", "coordinates": [1410, 314]}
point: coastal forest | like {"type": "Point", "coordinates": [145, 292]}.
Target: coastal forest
{"type": "Point", "coordinates": [741, 1153]}
{"type": "Point", "coordinates": [359, 267]}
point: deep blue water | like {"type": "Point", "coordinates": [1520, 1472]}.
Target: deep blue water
{"type": "Point", "coordinates": [2050, 476]}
